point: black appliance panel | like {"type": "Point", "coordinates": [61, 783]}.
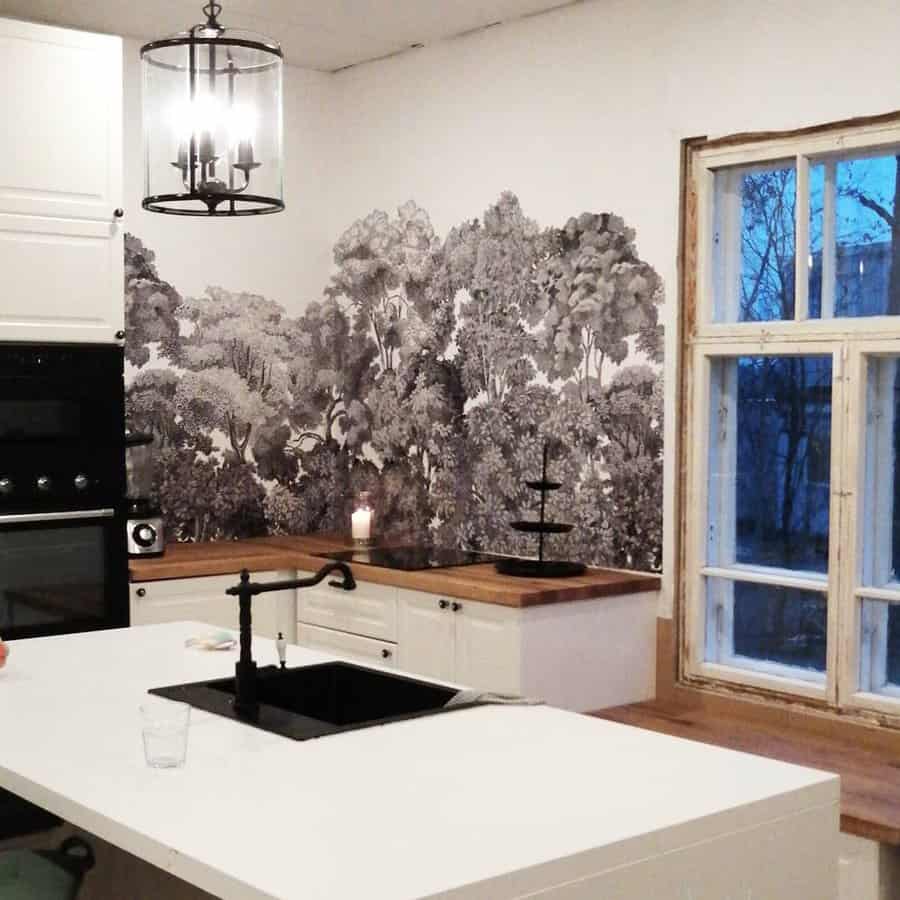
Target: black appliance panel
{"type": "Point", "coordinates": [411, 559]}
{"type": "Point", "coordinates": [62, 413]}
{"type": "Point", "coordinates": [63, 564]}
{"type": "Point", "coordinates": [62, 572]}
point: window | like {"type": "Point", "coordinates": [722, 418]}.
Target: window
{"type": "Point", "coordinates": [791, 508]}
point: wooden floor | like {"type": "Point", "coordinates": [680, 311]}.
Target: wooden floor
{"type": "Point", "coordinates": [870, 777]}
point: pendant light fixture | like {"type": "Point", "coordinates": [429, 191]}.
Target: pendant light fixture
{"type": "Point", "coordinates": [212, 122]}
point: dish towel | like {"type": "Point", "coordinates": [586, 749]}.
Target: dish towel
{"type": "Point", "coordinates": [487, 697]}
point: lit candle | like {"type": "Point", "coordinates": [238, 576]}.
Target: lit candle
{"type": "Point", "coordinates": [206, 151]}
{"type": "Point", "coordinates": [245, 153]}
{"type": "Point", "coordinates": [361, 524]}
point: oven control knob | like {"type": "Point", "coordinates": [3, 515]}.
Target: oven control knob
{"type": "Point", "coordinates": [81, 482]}
{"type": "Point", "coordinates": [6, 486]}
{"type": "Point", "coordinates": [43, 483]}
{"type": "Point", "coordinates": [144, 535]}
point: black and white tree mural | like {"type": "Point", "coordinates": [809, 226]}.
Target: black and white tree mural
{"type": "Point", "coordinates": [431, 373]}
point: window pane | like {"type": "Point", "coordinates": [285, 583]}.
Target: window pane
{"type": "Point", "coordinates": [770, 462]}
{"type": "Point", "coordinates": [754, 243]}
{"type": "Point", "coordinates": [881, 509]}
{"type": "Point", "coordinates": [865, 281]}
{"type": "Point", "coordinates": [753, 625]}
{"type": "Point", "coordinates": [816, 238]}
{"type": "Point", "coordinates": [879, 666]}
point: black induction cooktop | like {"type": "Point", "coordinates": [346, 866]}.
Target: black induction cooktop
{"type": "Point", "coordinates": [411, 559]}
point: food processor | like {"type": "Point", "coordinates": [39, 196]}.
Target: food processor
{"type": "Point", "coordinates": [144, 528]}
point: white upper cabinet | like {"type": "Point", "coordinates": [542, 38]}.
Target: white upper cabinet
{"type": "Point", "coordinates": [61, 109]}
{"type": "Point", "coordinates": [61, 161]}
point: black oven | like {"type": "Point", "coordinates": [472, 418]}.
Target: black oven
{"type": "Point", "coordinates": [63, 564]}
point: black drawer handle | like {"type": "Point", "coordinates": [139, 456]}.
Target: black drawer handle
{"type": "Point", "coordinates": [456, 607]}
{"type": "Point", "coordinates": [443, 604]}
{"type": "Point", "coordinates": [141, 592]}
{"type": "Point", "coordinates": [385, 653]}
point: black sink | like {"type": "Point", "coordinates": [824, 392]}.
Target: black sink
{"type": "Point", "coordinates": [310, 701]}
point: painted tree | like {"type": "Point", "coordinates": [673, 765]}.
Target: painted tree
{"type": "Point", "coordinates": [236, 354]}
{"type": "Point", "coordinates": [151, 408]}
{"type": "Point", "coordinates": [632, 422]}
{"type": "Point", "coordinates": [385, 266]}
{"type": "Point", "coordinates": [329, 374]}
{"type": "Point", "coordinates": [594, 293]}
{"type": "Point", "coordinates": [150, 305]}
{"type": "Point", "coordinates": [203, 501]}
{"type": "Point", "coordinates": [495, 262]}
{"type": "Point", "coordinates": [416, 416]}
{"type": "Point", "coordinates": [219, 399]}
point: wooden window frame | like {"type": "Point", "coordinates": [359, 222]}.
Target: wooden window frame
{"type": "Point", "coordinates": [851, 341]}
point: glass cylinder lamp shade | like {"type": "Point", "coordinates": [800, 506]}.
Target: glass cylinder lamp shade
{"type": "Point", "coordinates": [212, 122]}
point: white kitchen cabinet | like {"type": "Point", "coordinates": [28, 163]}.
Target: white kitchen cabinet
{"type": "Point", "coordinates": [369, 610]}
{"type": "Point", "coordinates": [581, 655]}
{"type": "Point", "coordinates": [475, 644]}
{"type": "Point", "coordinates": [61, 157]}
{"type": "Point", "coordinates": [205, 600]}
{"type": "Point", "coordinates": [487, 646]}
{"type": "Point", "coordinates": [62, 280]}
{"type": "Point", "coordinates": [349, 646]}
{"type": "Point", "coordinates": [61, 108]}
{"type": "Point", "coordinates": [426, 635]}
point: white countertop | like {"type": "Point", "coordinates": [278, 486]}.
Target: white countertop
{"type": "Point", "coordinates": [407, 810]}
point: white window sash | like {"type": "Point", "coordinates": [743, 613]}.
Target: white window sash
{"type": "Point", "coordinates": [854, 680]}
{"type": "Point", "coordinates": [709, 647]}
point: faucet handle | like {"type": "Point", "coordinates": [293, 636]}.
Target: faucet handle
{"type": "Point", "coordinates": [281, 647]}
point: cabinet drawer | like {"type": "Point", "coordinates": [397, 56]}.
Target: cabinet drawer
{"type": "Point", "coordinates": [370, 610]}
{"type": "Point", "coordinates": [347, 645]}
{"type": "Point", "coordinates": [204, 600]}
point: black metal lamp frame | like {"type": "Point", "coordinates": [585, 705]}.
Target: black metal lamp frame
{"type": "Point", "coordinates": [221, 202]}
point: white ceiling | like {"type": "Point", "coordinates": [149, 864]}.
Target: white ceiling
{"type": "Point", "coordinates": [317, 34]}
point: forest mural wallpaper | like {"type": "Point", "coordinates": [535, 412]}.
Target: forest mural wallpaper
{"type": "Point", "coordinates": [430, 372]}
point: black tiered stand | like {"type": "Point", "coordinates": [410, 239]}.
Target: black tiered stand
{"type": "Point", "coordinates": [540, 567]}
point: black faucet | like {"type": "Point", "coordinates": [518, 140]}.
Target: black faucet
{"type": "Point", "coordinates": [246, 705]}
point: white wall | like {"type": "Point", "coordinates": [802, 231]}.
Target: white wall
{"type": "Point", "coordinates": [285, 256]}
{"type": "Point", "coordinates": [585, 108]}
{"type": "Point", "coordinates": [580, 109]}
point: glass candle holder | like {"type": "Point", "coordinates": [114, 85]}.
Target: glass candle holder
{"type": "Point", "coordinates": [362, 520]}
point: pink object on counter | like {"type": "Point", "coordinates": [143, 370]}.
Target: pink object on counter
{"type": "Point", "coordinates": [4, 652]}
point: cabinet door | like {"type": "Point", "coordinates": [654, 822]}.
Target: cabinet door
{"type": "Point", "coordinates": [62, 280]}
{"type": "Point", "coordinates": [61, 109]}
{"type": "Point", "coordinates": [425, 629]}
{"type": "Point", "coordinates": [487, 647]}
{"type": "Point", "coordinates": [204, 600]}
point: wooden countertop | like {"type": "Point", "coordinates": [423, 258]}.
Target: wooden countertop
{"type": "Point", "coordinates": [478, 582]}
{"type": "Point", "coordinates": [870, 781]}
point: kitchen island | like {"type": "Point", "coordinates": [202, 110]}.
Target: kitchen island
{"type": "Point", "coordinates": [487, 803]}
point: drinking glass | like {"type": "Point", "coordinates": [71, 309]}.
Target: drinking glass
{"type": "Point", "coordinates": [165, 732]}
